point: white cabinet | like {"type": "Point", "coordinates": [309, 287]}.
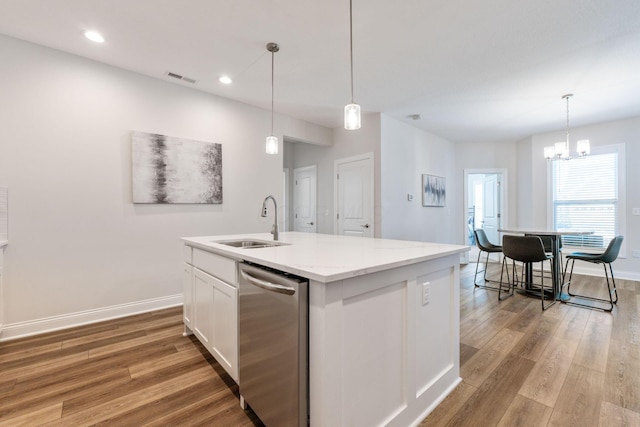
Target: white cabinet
{"type": "Point", "coordinates": [187, 288]}
{"type": "Point", "coordinates": [211, 305]}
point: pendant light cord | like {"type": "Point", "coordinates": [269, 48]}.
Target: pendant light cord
{"type": "Point", "coordinates": [567, 96]}
{"type": "Point", "coordinates": [351, 43]}
{"type": "Point", "coordinates": [272, 72]}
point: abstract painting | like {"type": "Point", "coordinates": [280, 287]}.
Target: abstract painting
{"type": "Point", "coordinates": [433, 190]}
{"type": "Point", "coordinates": [166, 169]}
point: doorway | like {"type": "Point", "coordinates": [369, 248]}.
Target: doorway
{"type": "Point", "coordinates": [484, 205]}
{"type": "Point", "coordinates": [304, 199]}
{"type": "Point", "coordinates": [353, 196]}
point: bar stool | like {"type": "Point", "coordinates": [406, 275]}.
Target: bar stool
{"type": "Point", "coordinates": [605, 258]}
{"type": "Point", "coordinates": [485, 245]}
{"type": "Point", "coordinates": [528, 250]}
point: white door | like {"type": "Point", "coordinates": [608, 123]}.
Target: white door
{"type": "Point", "coordinates": [354, 196]}
{"type": "Point", "coordinates": [304, 199]}
{"type": "Point", "coordinates": [491, 203]}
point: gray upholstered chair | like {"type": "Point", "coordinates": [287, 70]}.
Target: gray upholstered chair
{"type": "Point", "coordinates": [605, 258]}
{"type": "Point", "coordinates": [485, 245]}
{"type": "Point", "coordinates": [528, 250]}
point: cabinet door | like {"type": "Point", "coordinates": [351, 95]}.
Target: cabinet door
{"type": "Point", "coordinates": [187, 296]}
{"type": "Point", "coordinates": [203, 307]}
{"type": "Point", "coordinates": [224, 344]}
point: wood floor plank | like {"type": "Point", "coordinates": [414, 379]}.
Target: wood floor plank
{"type": "Point", "coordinates": [44, 365]}
{"type": "Point", "coordinates": [148, 366]}
{"type": "Point", "coordinates": [118, 406]}
{"type": "Point", "coordinates": [36, 417]}
{"type": "Point", "coordinates": [481, 365]}
{"type": "Point", "coordinates": [493, 398]}
{"type": "Point", "coordinates": [535, 340]}
{"type": "Point", "coordinates": [483, 332]}
{"type": "Point", "coordinates": [573, 323]}
{"type": "Point", "coordinates": [614, 416]}
{"type": "Point", "coordinates": [580, 398]}
{"type": "Point", "coordinates": [622, 379]}
{"type": "Point", "coordinates": [466, 352]}
{"type": "Point", "coordinates": [445, 411]}
{"type": "Point", "coordinates": [525, 412]}
{"type": "Point", "coordinates": [143, 340]}
{"type": "Point", "coordinates": [594, 345]}
{"type": "Point", "coordinates": [547, 377]}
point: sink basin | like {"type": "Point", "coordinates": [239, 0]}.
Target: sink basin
{"type": "Point", "coordinates": [249, 244]}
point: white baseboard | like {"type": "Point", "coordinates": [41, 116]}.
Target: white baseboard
{"type": "Point", "coordinates": [34, 327]}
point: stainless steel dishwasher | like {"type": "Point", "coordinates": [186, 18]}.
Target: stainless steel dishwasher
{"type": "Point", "coordinates": [273, 353]}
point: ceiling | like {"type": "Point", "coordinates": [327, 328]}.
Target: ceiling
{"type": "Point", "coordinates": [492, 70]}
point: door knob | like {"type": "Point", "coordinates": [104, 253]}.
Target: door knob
{"type": "Point", "coordinates": [365, 226]}
{"type": "Point", "coordinates": [310, 223]}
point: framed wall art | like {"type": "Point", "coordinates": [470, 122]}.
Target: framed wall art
{"type": "Point", "coordinates": [167, 169]}
{"type": "Point", "coordinates": [433, 190]}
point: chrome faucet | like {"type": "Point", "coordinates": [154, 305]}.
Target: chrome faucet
{"type": "Point", "coordinates": [274, 229]}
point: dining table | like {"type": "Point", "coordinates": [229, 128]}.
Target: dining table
{"type": "Point", "coordinates": [556, 262]}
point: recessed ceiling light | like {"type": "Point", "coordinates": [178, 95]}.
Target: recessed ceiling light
{"type": "Point", "coordinates": [225, 80]}
{"type": "Point", "coordinates": [94, 37]}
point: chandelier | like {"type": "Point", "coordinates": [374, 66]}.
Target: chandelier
{"type": "Point", "coordinates": [560, 150]}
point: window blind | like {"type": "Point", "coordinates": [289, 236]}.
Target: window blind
{"type": "Point", "coordinates": [585, 198]}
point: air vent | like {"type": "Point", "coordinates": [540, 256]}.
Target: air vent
{"type": "Point", "coordinates": [179, 77]}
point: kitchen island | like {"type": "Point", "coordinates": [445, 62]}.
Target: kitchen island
{"type": "Point", "coordinates": [383, 320]}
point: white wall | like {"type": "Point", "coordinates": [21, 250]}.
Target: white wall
{"type": "Point", "coordinates": [407, 153]}
{"type": "Point", "coordinates": [77, 244]}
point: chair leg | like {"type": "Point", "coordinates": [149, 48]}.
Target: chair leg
{"type": "Point", "coordinates": [475, 277]}
{"type": "Point", "coordinates": [509, 286]}
{"type": "Point", "coordinates": [613, 291]}
{"type": "Point", "coordinates": [553, 299]}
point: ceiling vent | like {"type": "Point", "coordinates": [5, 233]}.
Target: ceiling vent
{"type": "Point", "coordinates": [179, 77]}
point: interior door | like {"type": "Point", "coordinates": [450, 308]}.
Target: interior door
{"type": "Point", "coordinates": [304, 199]}
{"type": "Point", "coordinates": [354, 196]}
{"type": "Point", "coordinates": [491, 203]}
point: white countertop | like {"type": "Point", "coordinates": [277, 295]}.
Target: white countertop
{"type": "Point", "coordinates": [326, 257]}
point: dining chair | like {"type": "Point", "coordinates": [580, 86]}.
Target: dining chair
{"type": "Point", "coordinates": [528, 250]}
{"type": "Point", "coordinates": [605, 258]}
{"type": "Point", "coordinates": [485, 245]}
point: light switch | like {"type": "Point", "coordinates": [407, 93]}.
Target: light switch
{"type": "Point", "coordinates": [409, 197]}
{"type": "Point", "coordinates": [425, 293]}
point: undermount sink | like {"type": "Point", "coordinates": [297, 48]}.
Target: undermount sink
{"type": "Point", "coordinates": [249, 244]}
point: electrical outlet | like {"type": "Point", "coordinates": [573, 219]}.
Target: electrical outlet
{"type": "Point", "coordinates": [409, 197]}
{"type": "Point", "coordinates": [635, 253]}
{"type": "Point", "coordinates": [425, 293]}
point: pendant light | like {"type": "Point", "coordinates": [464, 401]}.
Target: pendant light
{"type": "Point", "coordinates": [560, 150]}
{"type": "Point", "coordinates": [272, 141]}
{"type": "Point", "coordinates": [351, 111]}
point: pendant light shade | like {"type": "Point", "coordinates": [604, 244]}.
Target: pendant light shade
{"type": "Point", "coordinates": [272, 141]}
{"type": "Point", "coordinates": [351, 111]}
{"type": "Point", "coordinates": [352, 117]}
{"type": "Point", "coordinates": [272, 145]}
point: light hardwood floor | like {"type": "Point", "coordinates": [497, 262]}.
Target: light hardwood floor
{"type": "Point", "coordinates": [567, 366]}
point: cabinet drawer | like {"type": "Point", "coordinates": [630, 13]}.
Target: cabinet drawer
{"type": "Point", "coordinates": [216, 265]}
{"type": "Point", "coordinates": [188, 254]}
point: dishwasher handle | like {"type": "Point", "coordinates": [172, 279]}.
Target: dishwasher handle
{"type": "Point", "coordinates": [273, 287]}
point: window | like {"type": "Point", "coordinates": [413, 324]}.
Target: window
{"type": "Point", "coordinates": [587, 196]}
